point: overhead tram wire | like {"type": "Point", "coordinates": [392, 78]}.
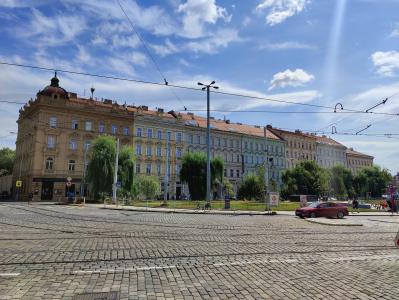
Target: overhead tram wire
{"type": "Point", "coordinates": [148, 51]}
{"type": "Point", "coordinates": [266, 99]}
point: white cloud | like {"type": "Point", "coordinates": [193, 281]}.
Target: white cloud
{"type": "Point", "coordinates": [290, 78]}
{"type": "Point", "coordinates": [386, 63]}
{"type": "Point", "coordinates": [280, 10]}
{"type": "Point", "coordinates": [138, 58]}
{"type": "Point", "coordinates": [395, 31]}
{"type": "Point", "coordinates": [52, 31]}
{"type": "Point", "coordinates": [197, 13]}
{"type": "Point", "coordinates": [84, 56]}
{"type": "Point", "coordinates": [120, 41]}
{"type": "Point", "coordinates": [220, 39]}
{"type": "Point", "coordinates": [167, 49]}
{"type": "Point", "coordinates": [21, 3]}
{"type": "Point", "coordinates": [287, 46]}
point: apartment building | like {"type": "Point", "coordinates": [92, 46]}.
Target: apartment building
{"type": "Point", "coordinates": [329, 153]}
{"type": "Point", "coordinates": [356, 160]}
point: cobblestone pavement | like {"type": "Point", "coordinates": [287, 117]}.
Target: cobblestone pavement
{"type": "Point", "coordinates": [59, 252]}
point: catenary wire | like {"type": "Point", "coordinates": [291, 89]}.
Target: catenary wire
{"type": "Point", "coordinates": [191, 88]}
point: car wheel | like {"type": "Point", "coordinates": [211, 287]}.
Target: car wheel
{"type": "Point", "coordinates": [340, 215]}
{"type": "Point", "coordinates": [313, 215]}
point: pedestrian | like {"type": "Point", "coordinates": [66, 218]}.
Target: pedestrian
{"type": "Point", "coordinates": [355, 205]}
{"type": "Point", "coordinates": [30, 198]}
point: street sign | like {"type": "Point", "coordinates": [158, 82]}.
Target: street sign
{"type": "Point", "coordinates": [69, 179]}
{"type": "Point", "coordinates": [397, 240]}
{"type": "Point", "coordinates": [68, 184]}
{"type": "Point", "coordinates": [18, 183]}
{"type": "Point", "coordinates": [274, 198]}
{"type": "Point", "coordinates": [304, 200]}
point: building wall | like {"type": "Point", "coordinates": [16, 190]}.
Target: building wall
{"type": "Point", "coordinates": [330, 155]}
{"type": "Point", "coordinates": [355, 162]}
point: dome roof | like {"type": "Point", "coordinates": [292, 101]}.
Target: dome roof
{"type": "Point", "coordinates": [54, 88]}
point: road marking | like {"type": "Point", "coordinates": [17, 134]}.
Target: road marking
{"type": "Point", "coordinates": [98, 271]}
{"type": "Point", "coordinates": [9, 274]}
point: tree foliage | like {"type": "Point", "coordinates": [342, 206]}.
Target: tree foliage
{"type": "Point", "coordinates": [251, 188]}
{"type": "Point", "coordinates": [193, 172]}
{"type": "Point", "coordinates": [148, 186]}
{"type": "Point", "coordinates": [101, 165]}
{"type": "Point", "coordinates": [126, 168]}
{"type": "Point", "coordinates": [373, 180]}
{"type": "Point", "coordinates": [306, 178]}
{"type": "Point", "coordinates": [7, 159]}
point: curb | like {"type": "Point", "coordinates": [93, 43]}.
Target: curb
{"type": "Point", "coordinates": [331, 224]}
{"type": "Point", "coordinates": [199, 212]}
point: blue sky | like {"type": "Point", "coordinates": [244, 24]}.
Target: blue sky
{"type": "Point", "coordinates": [320, 52]}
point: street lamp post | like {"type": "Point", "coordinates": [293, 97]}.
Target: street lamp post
{"type": "Point", "coordinates": [208, 139]}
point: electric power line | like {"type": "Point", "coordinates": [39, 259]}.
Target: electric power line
{"type": "Point", "coordinates": [193, 89]}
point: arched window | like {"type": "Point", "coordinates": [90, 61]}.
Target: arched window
{"type": "Point", "coordinates": [49, 163]}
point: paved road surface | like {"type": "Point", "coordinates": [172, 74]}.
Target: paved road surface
{"type": "Point", "coordinates": [59, 252]}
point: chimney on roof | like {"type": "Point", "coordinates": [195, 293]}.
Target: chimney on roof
{"type": "Point", "coordinates": [324, 136]}
{"type": "Point", "coordinates": [227, 121]}
{"type": "Point", "coordinates": [144, 107]}
{"type": "Point", "coordinates": [239, 123]}
{"type": "Point", "coordinates": [268, 126]}
{"type": "Point", "coordinates": [351, 149]}
{"type": "Point", "coordinates": [173, 113]}
{"type": "Point", "coordinates": [160, 110]}
{"type": "Point", "coordinates": [190, 114]}
{"type": "Point", "coordinates": [212, 118]}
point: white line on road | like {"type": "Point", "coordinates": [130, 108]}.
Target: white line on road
{"type": "Point", "coordinates": [9, 274]}
{"type": "Point", "coordinates": [82, 272]}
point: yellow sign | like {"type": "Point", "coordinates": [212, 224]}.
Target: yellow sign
{"type": "Point", "coordinates": [18, 183]}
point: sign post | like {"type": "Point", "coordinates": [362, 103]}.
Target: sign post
{"type": "Point", "coordinates": [303, 200]}
{"type": "Point", "coordinates": [68, 184]}
{"type": "Point", "coordinates": [274, 199]}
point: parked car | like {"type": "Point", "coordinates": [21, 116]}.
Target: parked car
{"type": "Point", "coordinates": [323, 209]}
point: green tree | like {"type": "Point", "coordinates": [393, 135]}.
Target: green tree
{"type": "Point", "coordinates": [251, 188]}
{"type": "Point", "coordinates": [337, 182]}
{"type": "Point", "coordinates": [193, 172]}
{"type": "Point", "coordinates": [306, 178]}
{"type": "Point", "coordinates": [149, 186]}
{"type": "Point", "coordinates": [228, 188]}
{"type": "Point", "coordinates": [101, 165]}
{"type": "Point", "coordinates": [7, 158]}
{"type": "Point", "coordinates": [372, 180]}
{"type": "Point", "coordinates": [126, 168]}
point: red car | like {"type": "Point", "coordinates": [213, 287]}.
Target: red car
{"type": "Point", "coordinates": [324, 209]}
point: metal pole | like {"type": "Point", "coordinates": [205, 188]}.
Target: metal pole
{"type": "Point", "coordinates": [208, 145]}
{"type": "Point", "coordinates": [82, 184]}
{"type": "Point", "coordinates": [19, 176]}
{"type": "Point", "coordinates": [266, 166]}
{"type": "Point", "coordinates": [115, 172]}
{"type": "Point", "coordinates": [166, 177]}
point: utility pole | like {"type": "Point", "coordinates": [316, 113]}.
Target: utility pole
{"type": "Point", "coordinates": [166, 177]}
{"type": "Point", "coordinates": [114, 187]}
{"type": "Point", "coordinates": [83, 182]}
{"type": "Point", "coordinates": [208, 139]}
{"type": "Point", "coordinates": [266, 165]}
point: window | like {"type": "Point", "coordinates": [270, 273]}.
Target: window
{"type": "Point", "coordinates": [179, 137]}
{"type": "Point", "coordinates": [238, 158]}
{"type": "Point", "coordinates": [159, 151]}
{"type": "Point", "coordinates": [53, 122]}
{"type": "Point", "coordinates": [225, 173]}
{"type": "Point", "coordinates": [238, 173]}
{"type": "Point", "coordinates": [218, 141]}
{"type": "Point", "coordinates": [148, 169]}
{"type": "Point", "coordinates": [198, 139]}
{"type": "Point", "coordinates": [231, 144]}
{"type": "Point", "coordinates": [245, 145]}
{"type": "Point", "coordinates": [88, 125]}
{"type": "Point", "coordinates": [149, 133]}
{"type": "Point", "coordinates": [139, 132]}
{"type": "Point", "coordinates": [75, 124]}
{"type": "Point", "coordinates": [190, 138]}
{"type": "Point", "coordinates": [71, 165]}
{"type": "Point", "coordinates": [168, 135]}
{"type": "Point", "coordinates": [149, 150]}
{"type": "Point", "coordinates": [225, 142]}
{"type": "Point", "coordinates": [51, 141]}
{"type": "Point", "coordinates": [49, 163]}
{"type": "Point", "coordinates": [159, 169]}
{"type": "Point", "coordinates": [114, 129]}
{"type": "Point", "coordinates": [177, 169]}
{"type": "Point", "coordinates": [138, 149]}
{"type": "Point", "coordinates": [178, 152]}
{"type": "Point", "coordinates": [237, 144]}
{"type": "Point", "coordinates": [101, 127]}
{"type": "Point", "coordinates": [138, 168]}
{"type": "Point", "coordinates": [125, 130]}
{"type": "Point", "coordinates": [87, 144]}
{"type": "Point", "coordinates": [159, 134]}
{"type": "Point", "coordinates": [231, 173]}
{"type": "Point", "coordinates": [73, 145]}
